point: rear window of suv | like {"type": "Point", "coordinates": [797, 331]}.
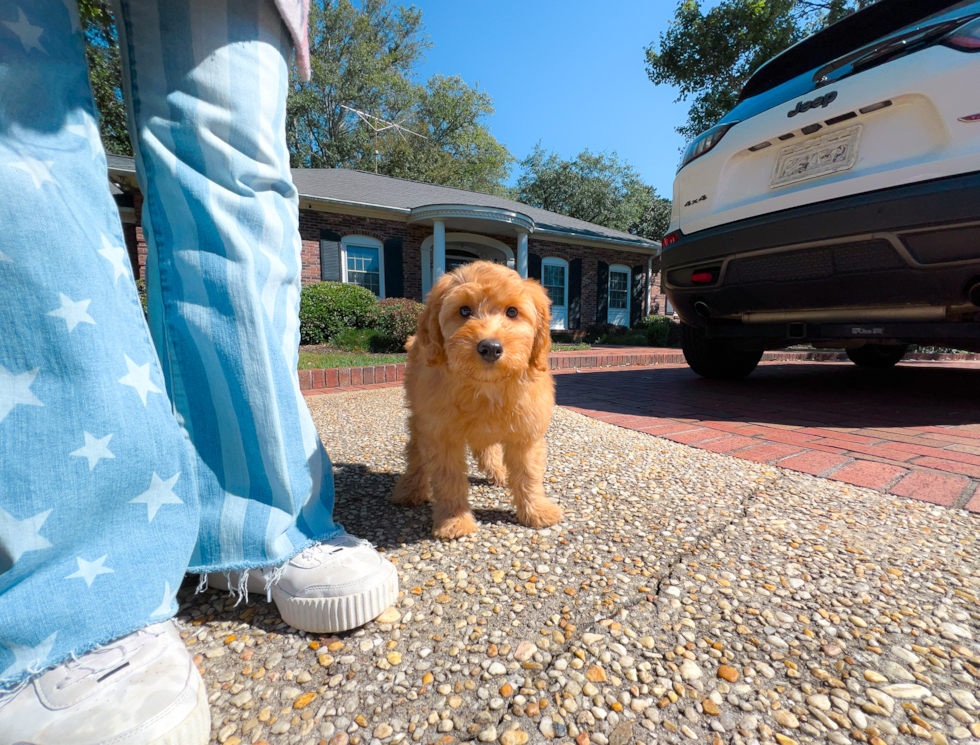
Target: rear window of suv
{"type": "Point", "coordinates": [852, 33]}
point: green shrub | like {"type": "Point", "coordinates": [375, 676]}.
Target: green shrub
{"type": "Point", "coordinates": [354, 340]}
{"type": "Point", "coordinates": [329, 307]}
{"type": "Point", "coordinates": [597, 333]}
{"type": "Point", "coordinates": [395, 319]}
{"type": "Point", "coordinates": [141, 290]}
{"type": "Point", "coordinates": [632, 339]}
{"type": "Point", "coordinates": [657, 329]}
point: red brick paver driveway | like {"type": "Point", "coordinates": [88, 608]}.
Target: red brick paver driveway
{"type": "Point", "coordinates": [913, 431]}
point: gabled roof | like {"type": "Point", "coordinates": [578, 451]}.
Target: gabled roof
{"type": "Point", "coordinates": [362, 189]}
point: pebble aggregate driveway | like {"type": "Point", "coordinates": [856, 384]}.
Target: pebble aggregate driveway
{"type": "Point", "coordinates": [686, 597]}
{"type": "Point", "coordinates": [913, 431]}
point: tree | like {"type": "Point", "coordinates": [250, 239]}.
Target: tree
{"type": "Point", "coordinates": [594, 187]}
{"type": "Point", "coordinates": [458, 149]}
{"type": "Point", "coordinates": [105, 73]}
{"type": "Point", "coordinates": [709, 56]}
{"type": "Point", "coordinates": [363, 58]}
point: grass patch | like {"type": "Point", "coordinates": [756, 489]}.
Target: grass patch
{"type": "Point", "coordinates": [314, 361]}
{"type": "Point", "coordinates": [557, 347]}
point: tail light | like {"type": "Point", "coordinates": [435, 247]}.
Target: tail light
{"type": "Point", "coordinates": [966, 38]}
{"type": "Point", "coordinates": [702, 278]}
{"type": "Point", "coordinates": [705, 142]}
{"type": "Point", "coordinates": [670, 239]}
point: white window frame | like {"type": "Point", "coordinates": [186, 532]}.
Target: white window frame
{"type": "Point", "coordinates": [363, 241]}
{"type": "Point", "coordinates": [629, 290]}
{"type": "Point", "coordinates": [555, 261]}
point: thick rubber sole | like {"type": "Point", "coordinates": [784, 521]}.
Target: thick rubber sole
{"type": "Point", "coordinates": [196, 728]}
{"type": "Point", "coordinates": [333, 615]}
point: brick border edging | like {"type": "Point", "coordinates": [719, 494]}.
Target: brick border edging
{"type": "Point", "coordinates": [355, 377]}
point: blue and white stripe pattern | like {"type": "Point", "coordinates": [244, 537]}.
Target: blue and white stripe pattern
{"type": "Point", "coordinates": [128, 453]}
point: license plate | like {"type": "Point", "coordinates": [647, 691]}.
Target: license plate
{"type": "Point", "coordinates": [831, 153]}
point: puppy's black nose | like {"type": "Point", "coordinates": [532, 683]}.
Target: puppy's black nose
{"type": "Point", "coordinates": [490, 349]}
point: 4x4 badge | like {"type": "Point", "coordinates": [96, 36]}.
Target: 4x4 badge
{"type": "Point", "coordinates": [821, 101]}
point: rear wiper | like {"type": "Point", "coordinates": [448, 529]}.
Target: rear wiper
{"type": "Point", "coordinates": [866, 57]}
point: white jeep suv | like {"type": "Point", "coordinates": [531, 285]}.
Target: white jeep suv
{"type": "Point", "coordinates": [838, 204]}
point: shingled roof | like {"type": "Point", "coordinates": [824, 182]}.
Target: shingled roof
{"type": "Point", "coordinates": [359, 188]}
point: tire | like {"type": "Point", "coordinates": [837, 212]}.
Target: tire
{"type": "Point", "coordinates": [716, 359]}
{"type": "Point", "coordinates": [877, 356]}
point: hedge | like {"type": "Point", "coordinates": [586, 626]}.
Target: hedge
{"type": "Point", "coordinates": [328, 307]}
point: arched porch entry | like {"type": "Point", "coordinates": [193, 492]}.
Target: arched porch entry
{"type": "Point", "coordinates": [462, 248]}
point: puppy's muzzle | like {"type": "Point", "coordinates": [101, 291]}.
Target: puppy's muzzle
{"type": "Point", "coordinates": [490, 350]}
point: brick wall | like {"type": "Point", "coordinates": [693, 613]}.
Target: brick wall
{"type": "Point", "coordinates": [590, 268]}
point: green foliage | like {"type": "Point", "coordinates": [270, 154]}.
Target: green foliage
{"type": "Point", "coordinates": [600, 333]}
{"type": "Point", "coordinates": [141, 291]}
{"type": "Point", "coordinates": [329, 307]}
{"type": "Point", "coordinates": [709, 56]}
{"type": "Point", "coordinates": [594, 187]}
{"type": "Point", "coordinates": [395, 319]}
{"type": "Point", "coordinates": [364, 57]}
{"type": "Point", "coordinates": [105, 73]}
{"type": "Point", "coordinates": [354, 340]}
{"type": "Point", "coordinates": [657, 329]}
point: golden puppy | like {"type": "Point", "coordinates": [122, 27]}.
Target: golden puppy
{"type": "Point", "coordinates": [478, 375]}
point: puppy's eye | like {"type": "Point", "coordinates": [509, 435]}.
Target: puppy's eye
{"type": "Point", "coordinates": [465, 311]}
{"type": "Point", "coordinates": [512, 312]}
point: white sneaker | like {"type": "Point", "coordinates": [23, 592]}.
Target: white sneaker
{"type": "Point", "coordinates": [330, 587]}
{"type": "Point", "coordinates": [142, 689]}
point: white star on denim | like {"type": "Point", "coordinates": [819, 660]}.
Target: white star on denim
{"type": "Point", "coordinates": [89, 570]}
{"type": "Point", "coordinates": [39, 170]}
{"type": "Point", "coordinates": [4, 257]}
{"type": "Point", "coordinates": [27, 33]}
{"type": "Point", "coordinates": [73, 313]}
{"type": "Point", "coordinates": [159, 493]}
{"type": "Point", "coordinates": [115, 256]}
{"type": "Point", "coordinates": [138, 377]}
{"type": "Point", "coordinates": [20, 536]}
{"type": "Point", "coordinates": [167, 606]}
{"type": "Point", "coordinates": [72, 7]}
{"type": "Point", "coordinates": [90, 132]}
{"type": "Point", "coordinates": [28, 658]}
{"type": "Point", "coordinates": [95, 449]}
{"type": "Point", "coordinates": [15, 389]}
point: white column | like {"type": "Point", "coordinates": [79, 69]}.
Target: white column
{"type": "Point", "coordinates": [438, 249]}
{"type": "Point", "coordinates": [522, 254]}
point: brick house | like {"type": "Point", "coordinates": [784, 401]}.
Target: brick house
{"type": "Point", "coordinates": [396, 237]}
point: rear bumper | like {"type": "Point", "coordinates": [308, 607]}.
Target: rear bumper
{"type": "Point", "coordinates": [913, 245]}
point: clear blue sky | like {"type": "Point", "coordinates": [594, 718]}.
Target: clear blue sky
{"type": "Point", "coordinates": [569, 73]}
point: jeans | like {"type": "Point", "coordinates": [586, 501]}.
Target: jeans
{"type": "Point", "coordinates": [133, 452]}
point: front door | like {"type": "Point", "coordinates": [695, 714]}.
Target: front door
{"type": "Point", "coordinates": [554, 278]}
{"type": "Point", "coordinates": [619, 296]}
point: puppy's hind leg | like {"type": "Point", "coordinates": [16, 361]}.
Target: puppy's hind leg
{"type": "Point", "coordinates": [491, 461]}
{"type": "Point", "coordinates": [412, 488]}
{"type": "Point", "coordinates": [451, 514]}
{"type": "Point", "coordinates": [525, 471]}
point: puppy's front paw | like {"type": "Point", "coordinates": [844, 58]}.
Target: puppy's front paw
{"type": "Point", "coordinates": [455, 527]}
{"type": "Point", "coordinates": [539, 514]}
{"type": "Point", "coordinates": [410, 492]}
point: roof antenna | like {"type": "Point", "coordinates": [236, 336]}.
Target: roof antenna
{"type": "Point", "coordinates": [377, 125]}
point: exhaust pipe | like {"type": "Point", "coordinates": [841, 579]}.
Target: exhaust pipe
{"type": "Point", "coordinates": [704, 310]}
{"type": "Point", "coordinates": [974, 294]}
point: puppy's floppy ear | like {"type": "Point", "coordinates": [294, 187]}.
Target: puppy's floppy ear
{"type": "Point", "coordinates": [542, 331]}
{"type": "Point", "coordinates": [429, 334]}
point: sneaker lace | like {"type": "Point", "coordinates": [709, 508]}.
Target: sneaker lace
{"type": "Point", "coordinates": [332, 547]}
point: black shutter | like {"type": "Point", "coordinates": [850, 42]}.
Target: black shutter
{"type": "Point", "coordinates": [330, 256]}
{"type": "Point", "coordinates": [394, 276]}
{"type": "Point", "coordinates": [534, 266]}
{"type": "Point", "coordinates": [602, 293]}
{"type": "Point", "coordinates": [636, 302]}
{"type": "Point", "coordinates": [575, 294]}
